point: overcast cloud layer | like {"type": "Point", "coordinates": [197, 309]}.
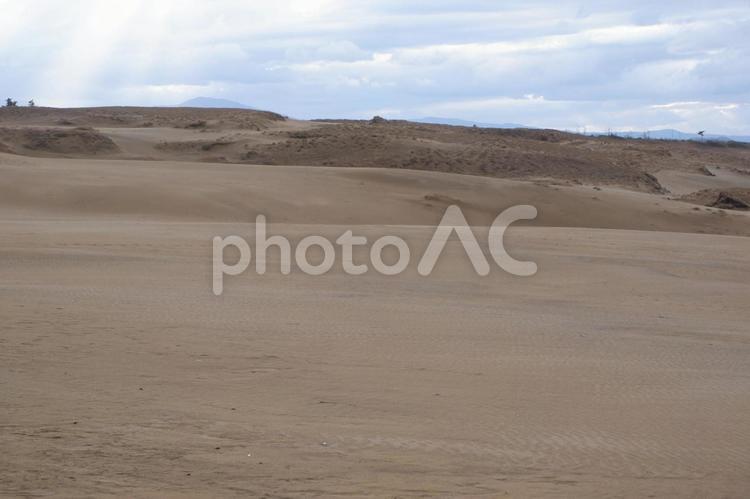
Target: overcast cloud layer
{"type": "Point", "coordinates": [600, 65]}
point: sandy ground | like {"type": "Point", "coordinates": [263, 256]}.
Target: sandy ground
{"type": "Point", "coordinates": [619, 370]}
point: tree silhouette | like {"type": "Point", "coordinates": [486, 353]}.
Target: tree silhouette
{"type": "Point", "coordinates": [10, 102]}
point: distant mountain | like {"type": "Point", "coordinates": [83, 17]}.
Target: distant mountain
{"type": "Point", "coordinates": [457, 122]}
{"type": "Point", "coordinates": [671, 134]}
{"type": "Point", "coordinates": [212, 102]}
{"type": "Point", "coordinates": [662, 134]}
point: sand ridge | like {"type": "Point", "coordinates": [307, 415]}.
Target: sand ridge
{"type": "Point", "coordinates": [169, 190]}
{"type": "Point", "coordinates": [258, 137]}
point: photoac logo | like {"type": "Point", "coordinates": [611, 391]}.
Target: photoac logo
{"type": "Point", "coordinates": [453, 221]}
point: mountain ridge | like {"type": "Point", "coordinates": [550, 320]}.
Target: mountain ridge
{"type": "Point", "coordinates": [213, 102]}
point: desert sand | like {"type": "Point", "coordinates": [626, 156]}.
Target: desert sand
{"type": "Point", "coordinates": [619, 370]}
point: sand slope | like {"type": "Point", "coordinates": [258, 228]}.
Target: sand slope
{"type": "Point", "coordinates": [167, 190]}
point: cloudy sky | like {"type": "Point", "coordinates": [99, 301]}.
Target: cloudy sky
{"type": "Point", "coordinates": [620, 65]}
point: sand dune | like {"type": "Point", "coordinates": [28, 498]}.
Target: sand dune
{"type": "Point", "coordinates": [256, 137]}
{"type": "Point", "coordinates": [180, 117]}
{"type": "Point", "coordinates": [619, 369]}
{"type": "Point", "coordinates": [57, 142]}
{"type": "Point", "coordinates": [167, 190]}
{"type": "Point", "coordinates": [682, 183]}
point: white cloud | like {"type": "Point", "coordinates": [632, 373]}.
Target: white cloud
{"type": "Point", "coordinates": [596, 63]}
{"type": "Point", "coordinates": [717, 117]}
